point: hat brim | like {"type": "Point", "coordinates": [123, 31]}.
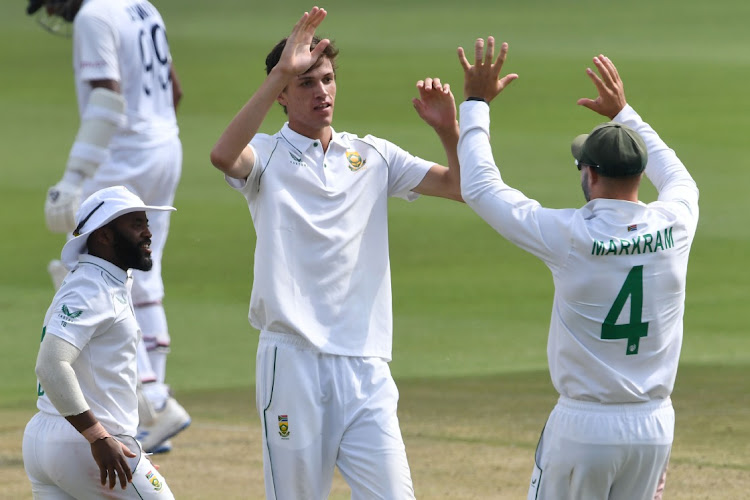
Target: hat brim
{"type": "Point", "coordinates": [576, 147]}
{"type": "Point", "coordinates": [77, 244]}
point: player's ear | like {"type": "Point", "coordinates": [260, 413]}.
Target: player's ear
{"type": "Point", "coordinates": [281, 98]}
{"type": "Point", "coordinates": [593, 176]}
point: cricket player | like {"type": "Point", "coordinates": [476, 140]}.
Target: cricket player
{"type": "Point", "coordinates": [619, 268]}
{"type": "Point", "coordinates": [321, 295]}
{"type": "Point", "coordinates": [127, 92]}
{"type": "Point", "coordinates": [82, 442]}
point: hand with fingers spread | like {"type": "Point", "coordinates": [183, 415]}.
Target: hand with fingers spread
{"type": "Point", "coordinates": [611, 98]}
{"type": "Point", "coordinates": [297, 56]}
{"type": "Point", "coordinates": [483, 78]}
{"type": "Point", "coordinates": [436, 104]}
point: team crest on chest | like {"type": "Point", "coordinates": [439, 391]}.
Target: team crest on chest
{"type": "Point", "coordinates": [284, 426]}
{"type": "Point", "coordinates": [356, 162]}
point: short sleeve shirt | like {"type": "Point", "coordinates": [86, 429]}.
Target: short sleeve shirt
{"type": "Point", "coordinates": [125, 41]}
{"type": "Point", "coordinates": [93, 311]}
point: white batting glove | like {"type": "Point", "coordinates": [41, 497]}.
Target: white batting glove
{"type": "Point", "coordinates": [61, 205]}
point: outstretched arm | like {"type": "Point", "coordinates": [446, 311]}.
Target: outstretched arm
{"type": "Point", "coordinates": [231, 153]}
{"type": "Point", "coordinates": [664, 169]}
{"type": "Point", "coordinates": [611, 91]}
{"type": "Point", "coordinates": [437, 107]}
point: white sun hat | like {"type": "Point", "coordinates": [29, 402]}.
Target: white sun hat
{"type": "Point", "coordinates": [96, 211]}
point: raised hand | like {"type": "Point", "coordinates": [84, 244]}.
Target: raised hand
{"type": "Point", "coordinates": [483, 78]}
{"type": "Point", "coordinates": [297, 57]}
{"type": "Point", "coordinates": [611, 98]}
{"type": "Point", "coordinates": [436, 104]}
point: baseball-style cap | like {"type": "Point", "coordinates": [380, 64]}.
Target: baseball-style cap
{"type": "Point", "coordinates": [614, 149]}
{"type": "Point", "coordinates": [96, 211]}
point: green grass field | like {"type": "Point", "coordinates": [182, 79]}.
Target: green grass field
{"type": "Point", "coordinates": [470, 310]}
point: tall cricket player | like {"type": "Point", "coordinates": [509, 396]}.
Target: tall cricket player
{"type": "Point", "coordinates": [619, 268]}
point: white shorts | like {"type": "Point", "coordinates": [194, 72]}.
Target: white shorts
{"type": "Point", "coordinates": [58, 461]}
{"type": "Point", "coordinates": [319, 411]}
{"type": "Point", "coordinates": [153, 174]}
{"type": "Point", "coordinates": [612, 451]}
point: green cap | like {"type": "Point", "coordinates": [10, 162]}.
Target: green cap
{"type": "Point", "coordinates": [614, 149]}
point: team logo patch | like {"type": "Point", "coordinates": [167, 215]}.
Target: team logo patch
{"type": "Point", "coordinates": [154, 480]}
{"type": "Point", "coordinates": [70, 314]}
{"type": "Point", "coordinates": [356, 161]}
{"type": "Point", "coordinates": [284, 426]}
{"type": "Point", "coordinates": [66, 315]}
{"type": "Point", "coordinates": [632, 227]}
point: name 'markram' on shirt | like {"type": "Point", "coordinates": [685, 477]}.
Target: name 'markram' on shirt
{"type": "Point", "coordinates": [646, 243]}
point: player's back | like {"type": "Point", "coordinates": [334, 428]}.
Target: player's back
{"type": "Point", "coordinates": [619, 302]}
{"type": "Point", "coordinates": [125, 41]}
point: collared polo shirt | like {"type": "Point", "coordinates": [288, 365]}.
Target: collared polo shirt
{"type": "Point", "coordinates": [321, 269]}
{"type": "Point", "coordinates": [94, 312]}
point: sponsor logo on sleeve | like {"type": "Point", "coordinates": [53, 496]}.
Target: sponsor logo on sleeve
{"type": "Point", "coordinates": [68, 316]}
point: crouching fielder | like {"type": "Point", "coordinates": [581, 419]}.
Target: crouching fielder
{"type": "Point", "coordinates": [81, 443]}
{"type": "Point", "coordinates": [619, 268]}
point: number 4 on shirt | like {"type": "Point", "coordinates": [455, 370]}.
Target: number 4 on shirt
{"type": "Point", "coordinates": [633, 331]}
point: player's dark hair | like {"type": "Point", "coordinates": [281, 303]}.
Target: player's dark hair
{"type": "Point", "coordinates": [273, 57]}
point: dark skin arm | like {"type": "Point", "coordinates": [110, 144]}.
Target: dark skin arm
{"type": "Point", "coordinates": [109, 454]}
{"type": "Point", "coordinates": [176, 87]}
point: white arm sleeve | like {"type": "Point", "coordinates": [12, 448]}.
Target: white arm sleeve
{"type": "Point", "coordinates": [56, 376]}
{"type": "Point", "coordinates": [664, 169]}
{"type": "Point", "coordinates": [104, 114]}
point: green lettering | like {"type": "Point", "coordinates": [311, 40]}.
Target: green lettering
{"type": "Point", "coordinates": [647, 238]}
{"type": "Point", "coordinates": [624, 245]}
{"type": "Point", "coordinates": [637, 244]}
{"type": "Point", "coordinates": [598, 248]}
{"type": "Point", "coordinates": [612, 247]}
{"type": "Point", "coordinates": [658, 243]}
{"type": "Point", "coordinates": [668, 241]}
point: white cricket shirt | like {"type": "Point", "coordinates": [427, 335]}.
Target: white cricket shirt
{"type": "Point", "coordinates": [125, 40]}
{"type": "Point", "coordinates": [93, 311]}
{"type": "Point", "coordinates": [321, 267]}
{"type": "Point", "coordinates": [619, 268]}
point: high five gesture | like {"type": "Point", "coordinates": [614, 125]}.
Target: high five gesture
{"type": "Point", "coordinates": [483, 80]}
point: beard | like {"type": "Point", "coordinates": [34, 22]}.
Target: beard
{"type": "Point", "coordinates": [131, 254]}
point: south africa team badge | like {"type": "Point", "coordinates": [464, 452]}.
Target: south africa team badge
{"type": "Point", "coordinates": [356, 161]}
{"type": "Point", "coordinates": [284, 426]}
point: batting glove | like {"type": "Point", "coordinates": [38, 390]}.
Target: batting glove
{"type": "Point", "coordinates": [61, 205]}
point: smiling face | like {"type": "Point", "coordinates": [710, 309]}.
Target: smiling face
{"type": "Point", "coordinates": [309, 100]}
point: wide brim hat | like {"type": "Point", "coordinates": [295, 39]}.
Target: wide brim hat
{"type": "Point", "coordinates": [98, 210]}
{"type": "Point", "coordinates": [613, 149]}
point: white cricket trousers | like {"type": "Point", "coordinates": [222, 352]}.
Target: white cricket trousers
{"type": "Point", "coordinates": [599, 451]}
{"type": "Point", "coordinates": [58, 461]}
{"type": "Point", "coordinates": [320, 411]}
